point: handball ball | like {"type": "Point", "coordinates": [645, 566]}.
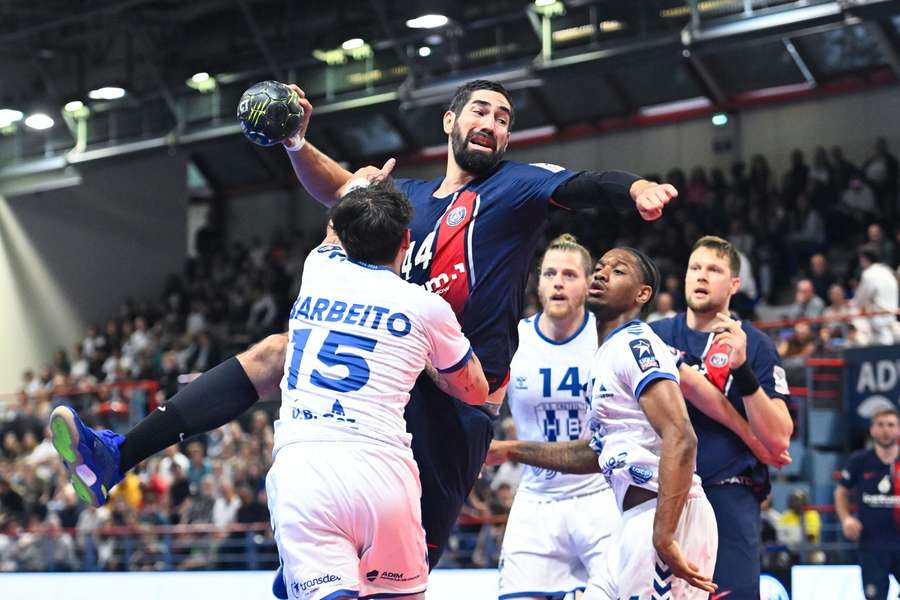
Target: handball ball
{"type": "Point", "coordinates": [269, 113]}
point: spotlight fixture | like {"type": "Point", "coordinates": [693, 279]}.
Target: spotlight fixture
{"type": "Point", "coordinates": [39, 121]}
{"type": "Point", "coordinates": [424, 51]}
{"type": "Point", "coordinates": [9, 116]}
{"type": "Point", "coordinates": [107, 93]}
{"type": "Point", "coordinates": [431, 21]}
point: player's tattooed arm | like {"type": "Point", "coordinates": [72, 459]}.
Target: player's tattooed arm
{"type": "Point", "coordinates": [566, 457]}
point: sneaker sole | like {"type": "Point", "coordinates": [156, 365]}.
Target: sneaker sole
{"type": "Point", "coordinates": [65, 438]}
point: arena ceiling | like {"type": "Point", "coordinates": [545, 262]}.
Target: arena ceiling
{"type": "Point", "coordinates": [571, 64]}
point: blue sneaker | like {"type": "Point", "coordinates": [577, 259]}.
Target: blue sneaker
{"type": "Point", "coordinates": [279, 587]}
{"type": "Point", "coordinates": [91, 457]}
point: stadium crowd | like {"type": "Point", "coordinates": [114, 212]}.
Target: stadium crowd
{"type": "Point", "coordinates": [821, 242]}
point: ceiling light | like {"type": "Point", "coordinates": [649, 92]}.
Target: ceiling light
{"type": "Point", "coordinates": [73, 106]}
{"type": "Point", "coordinates": [9, 116]}
{"type": "Point", "coordinates": [720, 119]}
{"type": "Point", "coordinates": [202, 82]}
{"type": "Point", "coordinates": [543, 2]}
{"type": "Point", "coordinates": [353, 44]}
{"type": "Point", "coordinates": [106, 93]}
{"type": "Point", "coordinates": [424, 51]}
{"type": "Point", "coordinates": [39, 121]}
{"type": "Point", "coordinates": [427, 22]}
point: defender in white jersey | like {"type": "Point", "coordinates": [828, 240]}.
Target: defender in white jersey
{"type": "Point", "coordinates": [344, 488]}
{"type": "Point", "coordinates": [560, 523]}
{"type": "Point", "coordinates": [646, 447]}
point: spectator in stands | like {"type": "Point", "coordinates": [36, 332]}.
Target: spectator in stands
{"type": "Point", "coordinates": [663, 309]}
{"type": "Point", "coordinates": [800, 526]}
{"type": "Point", "coordinates": [871, 476]}
{"type": "Point", "coordinates": [806, 304]}
{"type": "Point", "coordinates": [878, 292]}
{"type": "Point", "coordinates": [795, 181]}
{"type": "Point", "coordinates": [835, 332]}
{"type": "Point", "coordinates": [843, 170]}
{"type": "Point", "coordinates": [226, 505]}
{"type": "Point", "coordinates": [875, 237]}
{"type": "Point", "coordinates": [821, 276]}
{"type": "Point", "coordinates": [882, 172]}
{"type": "Point", "coordinates": [858, 203]}
{"type": "Point", "coordinates": [263, 313]}
{"type": "Point", "coordinates": [199, 466]}
{"type": "Point", "coordinates": [794, 351]}
{"type": "Point", "coordinates": [807, 229]}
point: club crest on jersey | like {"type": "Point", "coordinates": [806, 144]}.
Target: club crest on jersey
{"type": "Point", "coordinates": [643, 354]}
{"type": "Point", "coordinates": [456, 216]}
{"type": "Point", "coordinates": [521, 382]}
{"type": "Point", "coordinates": [719, 359]}
{"type": "Point", "coordinates": [639, 474]}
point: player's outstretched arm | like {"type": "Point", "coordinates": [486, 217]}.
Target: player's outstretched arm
{"type": "Point", "coordinates": [664, 406]}
{"type": "Point", "coordinates": [616, 189]}
{"type": "Point", "coordinates": [566, 457]}
{"type": "Point", "coordinates": [319, 174]}
{"type": "Point", "coordinates": [467, 384]}
{"type": "Point", "coordinates": [707, 398]}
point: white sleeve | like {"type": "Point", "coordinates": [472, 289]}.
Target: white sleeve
{"type": "Point", "coordinates": [644, 358]}
{"type": "Point", "coordinates": [450, 350]}
{"type": "Point", "coordinates": [321, 256]}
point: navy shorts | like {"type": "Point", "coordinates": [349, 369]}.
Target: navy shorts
{"type": "Point", "coordinates": [450, 440]}
{"type": "Point", "coordinates": [877, 562]}
{"type": "Point", "coordinates": [738, 520]}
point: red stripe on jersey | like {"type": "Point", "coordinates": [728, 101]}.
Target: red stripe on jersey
{"type": "Point", "coordinates": [449, 272]}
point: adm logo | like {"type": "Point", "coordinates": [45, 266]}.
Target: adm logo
{"type": "Point", "coordinates": [719, 359]}
{"type": "Point", "coordinates": [372, 575]}
{"type": "Point", "coordinates": [456, 216]}
{"type": "Point", "coordinates": [643, 354]}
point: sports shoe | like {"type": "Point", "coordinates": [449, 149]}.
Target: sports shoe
{"type": "Point", "coordinates": [91, 457]}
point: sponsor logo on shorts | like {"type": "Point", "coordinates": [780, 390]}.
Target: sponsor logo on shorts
{"type": "Point", "coordinates": [311, 585]}
{"type": "Point", "coordinates": [456, 216]}
{"type": "Point", "coordinates": [388, 576]}
{"type": "Point", "coordinates": [640, 474]}
{"type": "Point", "coordinates": [643, 354]}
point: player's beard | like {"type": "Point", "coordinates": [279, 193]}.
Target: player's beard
{"type": "Point", "coordinates": [473, 161]}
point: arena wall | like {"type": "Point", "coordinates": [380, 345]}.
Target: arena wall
{"type": "Point", "coordinates": [69, 256]}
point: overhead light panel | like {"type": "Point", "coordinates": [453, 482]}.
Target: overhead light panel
{"type": "Point", "coordinates": [9, 116]}
{"type": "Point", "coordinates": [432, 21]}
{"type": "Point", "coordinates": [107, 93]}
{"type": "Point", "coordinates": [73, 106]}
{"type": "Point", "coordinates": [424, 51]}
{"type": "Point", "coordinates": [202, 82]}
{"type": "Point", "coordinates": [353, 44]}
{"type": "Point", "coordinates": [39, 121]}
{"type": "Point", "coordinates": [720, 119]}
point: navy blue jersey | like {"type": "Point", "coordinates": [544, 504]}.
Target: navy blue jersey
{"type": "Point", "coordinates": [720, 452]}
{"type": "Point", "coordinates": [474, 248]}
{"type": "Point", "coordinates": [877, 485]}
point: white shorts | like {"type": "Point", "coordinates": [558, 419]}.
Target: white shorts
{"type": "Point", "coordinates": [552, 547]}
{"type": "Point", "coordinates": [633, 571]}
{"type": "Point", "coordinates": [347, 520]}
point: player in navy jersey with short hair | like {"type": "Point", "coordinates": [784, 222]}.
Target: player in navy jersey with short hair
{"type": "Point", "coordinates": [474, 232]}
{"type": "Point", "coordinates": [873, 476]}
{"type": "Point", "coordinates": [742, 362]}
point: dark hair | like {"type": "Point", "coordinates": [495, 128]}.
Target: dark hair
{"type": "Point", "coordinates": [649, 271]}
{"type": "Point", "coordinates": [721, 247]}
{"type": "Point", "coordinates": [871, 252]}
{"type": "Point", "coordinates": [370, 222]}
{"type": "Point", "coordinates": [464, 94]}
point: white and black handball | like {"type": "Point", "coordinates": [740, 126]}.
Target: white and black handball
{"type": "Point", "coordinates": [269, 113]}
